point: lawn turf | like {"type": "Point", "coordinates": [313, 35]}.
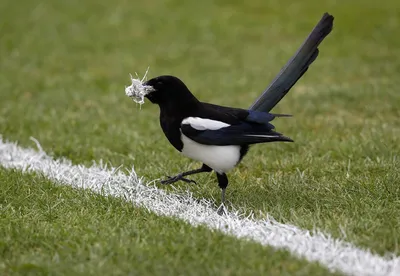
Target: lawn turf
{"type": "Point", "coordinates": [57, 230]}
{"type": "Point", "coordinates": [64, 66]}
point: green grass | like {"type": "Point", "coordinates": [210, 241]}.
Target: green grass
{"type": "Point", "coordinates": [64, 66]}
{"type": "Point", "coordinates": [52, 230]}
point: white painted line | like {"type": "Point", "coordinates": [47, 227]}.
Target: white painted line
{"type": "Point", "coordinates": [334, 254]}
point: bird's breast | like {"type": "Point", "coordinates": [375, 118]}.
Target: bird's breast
{"type": "Point", "coordinates": [171, 129]}
{"type": "Point", "coordinates": [219, 158]}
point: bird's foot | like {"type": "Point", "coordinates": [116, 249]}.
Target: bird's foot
{"type": "Point", "coordinates": [173, 179]}
{"type": "Point", "coordinates": [222, 210]}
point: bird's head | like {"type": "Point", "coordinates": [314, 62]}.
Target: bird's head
{"type": "Point", "coordinates": [167, 89]}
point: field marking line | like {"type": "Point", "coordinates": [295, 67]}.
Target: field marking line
{"type": "Point", "coordinates": [335, 254]}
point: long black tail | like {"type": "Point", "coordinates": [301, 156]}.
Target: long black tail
{"type": "Point", "coordinates": [295, 68]}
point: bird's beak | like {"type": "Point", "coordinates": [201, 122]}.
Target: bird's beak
{"type": "Point", "coordinates": [150, 96]}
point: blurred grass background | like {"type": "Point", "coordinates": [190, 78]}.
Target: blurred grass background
{"type": "Point", "coordinates": [64, 66]}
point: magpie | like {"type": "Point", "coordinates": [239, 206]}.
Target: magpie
{"type": "Point", "coordinates": [220, 136]}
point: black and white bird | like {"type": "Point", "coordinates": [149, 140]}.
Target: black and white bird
{"type": "Point", "coordinates": [220, 136]}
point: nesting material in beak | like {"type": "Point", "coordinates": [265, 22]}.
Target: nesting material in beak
{"type": "Point", "coordinates": [137, 90]}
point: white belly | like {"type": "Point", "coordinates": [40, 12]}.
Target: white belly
{"type": "Point", "coordinates": [219, 158]}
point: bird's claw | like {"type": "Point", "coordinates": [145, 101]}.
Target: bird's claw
{"type": "Point", "coordinates": [222, 210]}
{"type": "Point", "coordinates": [173, 179]}
{"type": "Point", "coordinates": [187, 180]}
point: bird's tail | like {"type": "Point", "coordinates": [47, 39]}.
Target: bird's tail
{"type": "Point", "coordinates": [271, 136]}
{"type": "Point", "coordinates": [295, 67]}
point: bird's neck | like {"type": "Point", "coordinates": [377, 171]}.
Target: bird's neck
{"type": "Point", "coordinates": [182, 108]}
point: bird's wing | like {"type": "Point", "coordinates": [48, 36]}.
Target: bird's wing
{"type": "Point", "coordinates": [295, 67]}
{"type": "Point", "coordinates": [233, 115]}
{"type": "Point", "coordinates": [217, 133]}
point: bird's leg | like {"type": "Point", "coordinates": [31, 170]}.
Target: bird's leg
{"type": "Point", "coordinates": [223, 196]}
{"type": "Point", "coordinates": [222, 183]}
{"type": "Point", "coordinates": [181, 176]}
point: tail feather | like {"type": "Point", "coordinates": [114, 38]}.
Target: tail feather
{"type": "Point", "coordinates": [295, 67]}
{"type": "Point", "coordinates": [281, 115]}
{"type": "Point", "coordinates": [265, 138]}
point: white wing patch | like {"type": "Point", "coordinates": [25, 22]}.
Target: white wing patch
{"type": "Point", "coordinates": [204, 124]}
